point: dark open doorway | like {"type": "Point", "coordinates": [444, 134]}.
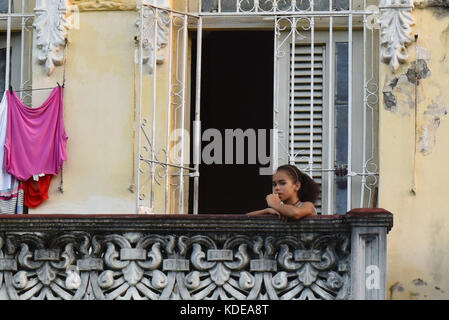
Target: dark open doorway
{"type": "Point", "coordinates": [236, 92]}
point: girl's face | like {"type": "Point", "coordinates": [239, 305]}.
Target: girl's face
{"type": "Point", "coordinates": [285, 188]}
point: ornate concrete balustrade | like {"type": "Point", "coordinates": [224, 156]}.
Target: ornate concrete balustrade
{"type": "Point", "coordinates": [193, 257]}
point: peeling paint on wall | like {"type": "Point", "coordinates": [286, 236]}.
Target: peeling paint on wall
{"type": "Point", "coordinates": [445, 33]}
{"type": "Point", "coordinates": [417, 71]}
{"type": "Point", "coordinates": [431, 3]}
{"type": "Point", "coordinates": [432, 119]}
{"type": "Point", "coordinates": [397, 286]}
{"type": "Point", "coordinates": [398, 95]}
{"type": "Point", "coordinates": [389, 100]}
{"type": "Point", "coordinates": [439, 289]}
{"type": "Point", "coordinates": [440, 12]}
{"type": "Point", "coordinates": [417, 289]}
{"type": "Point", "coordinates": [399, 92]}
{"type": "Point", "coordinates": [419, 282]}
{"type": "Point", "coordinates": [439, 8]}
{"type": "Point", "coordinates": [393, 83]}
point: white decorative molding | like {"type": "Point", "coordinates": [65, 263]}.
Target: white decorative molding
{"type": "Point", "coordinates": [395, 23]}
{"type": "Point", "coordinates": [51, 24]}
{"type": "Point", "coordinates": [105, 5]}
{"type": "Point", "coordinates": [162, 25]}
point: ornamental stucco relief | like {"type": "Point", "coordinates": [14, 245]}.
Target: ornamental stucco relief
{"type": "Point", "coordinates": [104, 5]}
{"type": "Point", "coordinates": [133, 265]}
{"type": "Point", "coordinates": [395, 23]}
{"type": "Point", "coordinates": [53, 19]}
{"type": "Point", "coordinates": [52, 22]}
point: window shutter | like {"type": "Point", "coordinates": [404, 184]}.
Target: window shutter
{"type": "Point", "coordinates": [302, 110]}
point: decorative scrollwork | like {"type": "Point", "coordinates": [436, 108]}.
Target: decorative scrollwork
{"type": "Point", "coordinates": [47, 268]}
{"type": "Point", "coordinates": [247, 6]}
{"type": "Point", "coordinates": [316, 269]}
{"type": "Point", "coordinates": [131, 263]}
{"type": "Point", "coordinates": [135, 265]}
{"type": "Point", "coordinates": [155, 24]}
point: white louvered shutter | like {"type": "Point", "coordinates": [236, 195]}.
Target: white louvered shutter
{"type": "Point", "coordinates": [302, 110]}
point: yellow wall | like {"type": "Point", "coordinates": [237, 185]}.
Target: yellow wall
{"type": "Point", "coordinates": [98, 115]}
{"type": "Point", "coordinates": [418, 244]}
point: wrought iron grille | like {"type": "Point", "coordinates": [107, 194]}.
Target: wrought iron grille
{"type": "Point", "coordinates": [299, 109]}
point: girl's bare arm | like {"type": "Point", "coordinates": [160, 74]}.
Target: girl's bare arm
{"type": "Point", "coordinates": [262, 212]}
{"type": "Point", "coordinates": [294, 212]}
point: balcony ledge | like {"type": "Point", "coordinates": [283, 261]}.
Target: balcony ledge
{"type": "Point", "coordinates": [193, 223]}
{"type": "Point", "coordinates": [219, 256]}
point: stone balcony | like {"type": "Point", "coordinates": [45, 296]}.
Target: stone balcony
{"type": "Point", "coordinates": [195, 257]}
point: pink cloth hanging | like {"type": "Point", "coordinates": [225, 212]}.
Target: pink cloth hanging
{"type": "Point", "coordinates": [35, 139]}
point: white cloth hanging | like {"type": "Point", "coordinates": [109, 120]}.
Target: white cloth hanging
{"type": "Point", "coordinates": [5, 177]}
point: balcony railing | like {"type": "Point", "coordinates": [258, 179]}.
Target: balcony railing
{"type": "Point", "coordinates": [196, 257]}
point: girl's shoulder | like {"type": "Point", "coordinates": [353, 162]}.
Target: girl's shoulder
{"type": "Point", "coordinates": [308, 204]}
{"type": "Point", "coordinates": [305, 203]}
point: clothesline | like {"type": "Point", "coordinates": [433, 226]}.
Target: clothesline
{"type": "Point", "coordinates": [37, 89]}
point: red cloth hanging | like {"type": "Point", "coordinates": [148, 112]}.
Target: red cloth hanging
{"type": "Point", "coordinates": [36, 192]}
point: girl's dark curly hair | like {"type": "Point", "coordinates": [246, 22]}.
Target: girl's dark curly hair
{"type": "Point", "coordinates": [310, 190]}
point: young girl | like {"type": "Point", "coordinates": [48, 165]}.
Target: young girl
{"type": "Point", "coordinates": [294, 194]}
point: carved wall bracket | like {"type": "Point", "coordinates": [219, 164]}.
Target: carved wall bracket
{"type": "Point", "coordinates": [395, 23]}
{"type": "Point", "coordinates": [52, 23]}
{"type": "Point", "coordinates": [153, 19]}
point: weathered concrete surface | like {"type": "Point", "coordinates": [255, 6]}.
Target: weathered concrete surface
{"type": "Point", "coordinates": [431, 3]}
